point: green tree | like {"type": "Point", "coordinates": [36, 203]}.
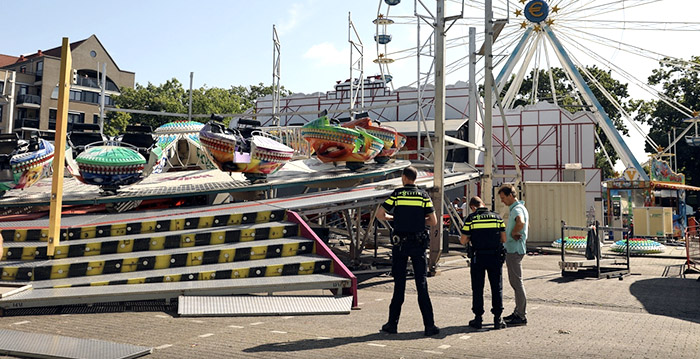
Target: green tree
{"type": "Point", "coordinates": [172, 97]}
{"type": "Point", "coordinates": [252, 93]}
{"type": "Point", "coordinates": [682, 84]}
{"type": "Point", "coordinates": [567, 93]}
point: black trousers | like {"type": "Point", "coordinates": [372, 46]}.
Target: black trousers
{"type": "Point", "coordinates": [415, 251]}
{"type": "Point", "coordinates": [492, 265]}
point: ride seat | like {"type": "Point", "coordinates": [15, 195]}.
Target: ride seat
{"type": "Point", "coordinates": [8, 144]}
{"type": "Point", "coordinates": [139, 137]}
{"type": "Point", "coordinates": [246, 127]}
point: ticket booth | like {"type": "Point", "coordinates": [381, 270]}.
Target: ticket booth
{"type": "Point", "coordinates": [666, 189]}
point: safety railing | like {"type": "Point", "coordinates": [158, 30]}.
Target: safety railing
{"type": "Point", "coordinates": [291, 136]}
{"type": "Point", "coordinates": [692, 246]}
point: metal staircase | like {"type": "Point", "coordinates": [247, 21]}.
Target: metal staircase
{"type": "Point", "coordinates": [164, 258]}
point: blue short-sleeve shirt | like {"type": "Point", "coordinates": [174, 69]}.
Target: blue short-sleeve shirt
{"type": "Point", "coordinates": [511, 245]}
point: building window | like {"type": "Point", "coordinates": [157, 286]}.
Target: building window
{"type": "Point", "coordinates": [39, 67]}
{"type": "Point", "coordinates": [74, 95]}
{"type": "Point", "coordinates": [2, 86]}
{"type": "Point", "coordinates": [72, 118]}
{"type": "Point", "coordinates": [76, 118]}
{"type": "Point", "coordinates": [91, 97]}
{"type": "Point", "coordinates": [23, 90]}
{"type": "Point", "coordinates": [23, 69]}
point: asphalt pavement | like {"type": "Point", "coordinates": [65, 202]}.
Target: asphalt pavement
{"type": "Point", "coordinates": [652, 313]}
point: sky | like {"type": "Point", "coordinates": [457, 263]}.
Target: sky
{"type": "Point", "coordinates": [229, 43]}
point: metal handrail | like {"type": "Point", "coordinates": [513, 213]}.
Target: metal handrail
{"type": "Point", "coordinates": [290, 136]}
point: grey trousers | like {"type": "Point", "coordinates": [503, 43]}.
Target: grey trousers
{"type": "Point", "coordinates": [515, 277]}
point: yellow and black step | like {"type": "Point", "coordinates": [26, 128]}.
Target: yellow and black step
{"type": "Point", "coordinates": [284, 266]}
{"type": "Point", "coordinates": [28, 251]}
{"type": "Point", "coordinates": [169, 258]}
{"type": "Point", "coordinates": [144, 226]}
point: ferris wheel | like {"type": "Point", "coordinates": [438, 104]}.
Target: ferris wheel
{"type": "Point", "coordinates": [627, 38]}
{"type": "Point", "coordinates": [382, 38]}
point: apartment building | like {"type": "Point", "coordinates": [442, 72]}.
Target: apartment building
{"type": "Point", "coordinates": [35, 98]}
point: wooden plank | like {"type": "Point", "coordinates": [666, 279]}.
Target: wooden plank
{"type": "Point", "coordinates": [59, 157]}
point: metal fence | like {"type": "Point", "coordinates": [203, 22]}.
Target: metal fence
{"type": "Point", "coordinates": [692, 246]}
{"type": "Point", "coordinates": [291, 136]}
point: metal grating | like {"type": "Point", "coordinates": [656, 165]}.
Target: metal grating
{"type": "Point", "coordinates": [262, 305]}
{"type": "Point", "coordinates": [55, 346]}
{"type": "Point", "coordinates": [152, 291]}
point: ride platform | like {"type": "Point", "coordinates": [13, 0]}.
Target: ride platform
{"type": "Point", "coordinates": [309, 172]}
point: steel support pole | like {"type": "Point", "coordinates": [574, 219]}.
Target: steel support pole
{"type": "Point", "coordinates": [11, 99]}
{"type": "Point", "coordinates": [189, 105]}
{"type": "Point", "coordinates": [102, 97]}
{"type": "Point", "coordinates": [486, 182]}
{"type": "Point", "coordinates": [473, 103]}
{"type": "Point", "coordinates": [439, 136]}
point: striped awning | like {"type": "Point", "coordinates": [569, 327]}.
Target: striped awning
{"type": "Point", "coordinates": [677, 186]}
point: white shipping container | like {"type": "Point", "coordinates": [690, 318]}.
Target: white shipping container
{"type": "Point", "coordinates": [548, 203]}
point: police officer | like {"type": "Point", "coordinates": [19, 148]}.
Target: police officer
{"type": "Point", "coordinates": [412, 209]}
{"type": "Point", "coordinates": [485, 232]}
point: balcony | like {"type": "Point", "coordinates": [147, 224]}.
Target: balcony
{"type": "Point", "coordinates": [26, 123]}
{"type": "Point", "coordinates": [29, 101]}
{"type": "Point", "coordinates": [92, 82]}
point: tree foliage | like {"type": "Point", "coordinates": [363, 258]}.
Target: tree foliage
{"type": "Point", "coordinates": [172, 97]}
{"type": "Point", "coordinates": [567, 97]}
{"type": "Point", "coordinates": [682, 84]}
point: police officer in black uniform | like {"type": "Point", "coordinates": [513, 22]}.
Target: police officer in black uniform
{"type": "Point", "coordinates": [485, 232]}
{"type": "Point", "coordinates": [412, 210]}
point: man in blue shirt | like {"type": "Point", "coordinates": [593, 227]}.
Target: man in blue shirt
{"type": "Point", "coordinates": [516, 238]}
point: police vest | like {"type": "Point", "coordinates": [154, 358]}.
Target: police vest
{"type": "Point", "coordinates": [409, 205]}
{"type": "Point", "coordinates": [484, 229]}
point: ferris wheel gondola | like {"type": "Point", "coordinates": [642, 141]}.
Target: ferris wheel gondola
{"type": "Point", "coordinates": [694, 139]}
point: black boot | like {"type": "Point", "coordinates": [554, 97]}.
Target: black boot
{"type": "Point", "coordinates": [389, 328]}
{"type": "Point", "coordinates": [430, 331]}
{"type": "Point", "coordinates": [498, 323]}
{"type": "Point", "coordinates": [476, 322]}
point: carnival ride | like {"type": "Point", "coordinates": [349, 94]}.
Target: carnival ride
{"type": "Point", "coordinates": [112, 164]}
{"type": "Point", "coordinates": [182, 149]}
{"type": "Point", "coordinates": [332, 142]}
{"type": "Point", "coordinates": [244, 148]}
{"type": "Point", "coordinates": [23, 163]}
{"type": "Point", "coordinates": [638, 246]}
{"type": "Point", "coordinates": [393, 140]}
{"type": "Point", "coordinates": [576, 243]}
{"type": "Point", "coordinates": [228, 216]}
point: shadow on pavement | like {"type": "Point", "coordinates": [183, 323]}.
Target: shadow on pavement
{"type": "Point", "coordinates": [312, 344]}
{"type": "Point", "coordinates": [362, 284]}
{"type": "Point", "coordinates": [671, 297]}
